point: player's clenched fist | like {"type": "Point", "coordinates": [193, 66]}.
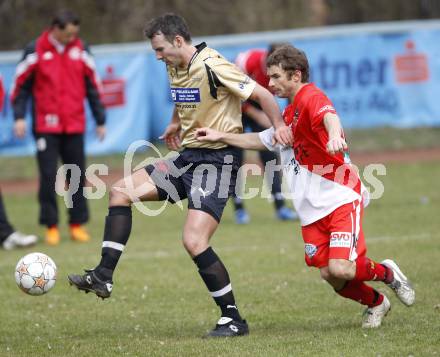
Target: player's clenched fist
{"type": "Point", "coordinates": [336, 145]}
{"type": "Point", "coordinates": [283, 135]}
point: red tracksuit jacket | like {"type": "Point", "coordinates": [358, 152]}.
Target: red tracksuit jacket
{"type": "Point", "coordinates": [2, 94]}
{"type": "Point", "coordinates": [58, 83]}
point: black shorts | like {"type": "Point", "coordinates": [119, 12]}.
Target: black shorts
{"type": "Point", "coordinates": [205, 176]}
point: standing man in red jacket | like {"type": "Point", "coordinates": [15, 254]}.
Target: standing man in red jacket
{"type": "Point", "coordinates": [58, 72]}
{"type": "Point", "coordinates": [2, 93]}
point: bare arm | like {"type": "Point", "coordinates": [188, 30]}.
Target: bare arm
{"type": "Point", "coordinates": [336, 142]}
{"type": "Point", "coordinates": [249, 141]}
{"type": "Point", "coordinates": [283, 134]}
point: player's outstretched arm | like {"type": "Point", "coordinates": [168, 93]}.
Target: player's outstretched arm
{"type": "Point", "coordinates": [336, 142]}
{"type": "Point", "coordinates": [249, 141]}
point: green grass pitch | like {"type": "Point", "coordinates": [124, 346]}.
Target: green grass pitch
{"type": "Point", "coordinates": [160, 306]}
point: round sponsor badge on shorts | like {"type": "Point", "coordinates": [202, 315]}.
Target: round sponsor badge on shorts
{"type": "Point", "coordinates": [310, 249]}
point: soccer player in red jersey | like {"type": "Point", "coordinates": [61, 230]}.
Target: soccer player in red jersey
{"type": "Point", "coordinates": [328, 194]}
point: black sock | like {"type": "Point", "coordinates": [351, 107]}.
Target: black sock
{"type": "Point", "coordinates": [216, 278]}
{"type": "Point", "coordinates": [278, 200]}
{"type": "Point", "coordinates": [238, 203]}
{"type": "Point", "coordinates": [116, 233]}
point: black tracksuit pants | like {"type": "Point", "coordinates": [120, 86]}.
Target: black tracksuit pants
{"type": "Point", "coordinates": [70, 148]}
{"type": "Point", "coordinates": [5, 227]}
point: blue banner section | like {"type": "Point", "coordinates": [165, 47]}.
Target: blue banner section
{"type": "Point", "coordinates": [373, 80]}
{"type": "Point", "coordinates": [379, 80]}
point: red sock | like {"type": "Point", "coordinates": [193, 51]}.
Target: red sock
{"type": "Point", "coordinates": [361, 292]}
{"type": "Point", "coordinates": [74, 225]}
{"type": "Point", "coordinates": [367, 270]}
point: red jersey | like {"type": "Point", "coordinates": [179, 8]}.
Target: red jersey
{"type": "Point", "coordinates": [2, 93]}
{"type": "Point", "coordinates": [58, 78]}
{"type": "Point", "coordinates": [318, 181]}
{"type": "Point", "coordinates": [253, 63]}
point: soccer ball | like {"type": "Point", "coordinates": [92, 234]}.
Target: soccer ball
{"type": "Point", "coordinates": [35, 274]}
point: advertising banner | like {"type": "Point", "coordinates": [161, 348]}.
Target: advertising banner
{"type": "Point", "coordinates": [373, 78]}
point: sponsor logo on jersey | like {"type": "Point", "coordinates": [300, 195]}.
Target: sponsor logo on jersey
{"type": "Point", "coordinates": [310, 249]}
{"type": "Point", "coordinates": [326, 108]}
{"type": "Point", "coordinates": [47, 55]}
{"type": "Point", "coordinates": [243, 84]}
{"type": "Point", "coordinates": [51, 120]}
{"type": "Point", "coordinates": [196, 79]}
{"type": "Point", "coordinates": [340, 239]}
{"type": "Point", "coordinates": [185, 95]}
{"type": "Point", "coordinates": [75, 53]}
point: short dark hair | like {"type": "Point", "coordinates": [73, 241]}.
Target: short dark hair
{"type": "Point", "coordinates": [64, 17]}
{"type": "Point", "coordinates": [290, 59]}
{"type": "Point", "coordinates": [170, 25]}
{"type": "Point", "coordinates": [274, 45]}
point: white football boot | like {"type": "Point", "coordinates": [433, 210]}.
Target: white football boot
{"type": "Point", "coordinates": [401, 285]}
{"type": "Point", "coordinates": [373, 316]}
{"type": "Point", "coordinates": [19, 240]}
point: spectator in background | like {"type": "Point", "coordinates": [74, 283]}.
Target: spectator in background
{"type": "Point", "coordinates": [9, 237]}
{"type": "Point", "coordinates": [58, 71]}
{"type": "Point", "coordinates": [2, 93]}
{"type": "Point", "coordinates": [253, 63]}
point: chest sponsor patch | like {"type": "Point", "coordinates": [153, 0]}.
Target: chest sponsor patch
{"type": "Point", "coordinates": [341, 240]}
{"type": "Point", "coordinates": [185, 95]}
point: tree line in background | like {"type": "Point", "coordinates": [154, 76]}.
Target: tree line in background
{"type": "Point", "coordinates": [112, 21]}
